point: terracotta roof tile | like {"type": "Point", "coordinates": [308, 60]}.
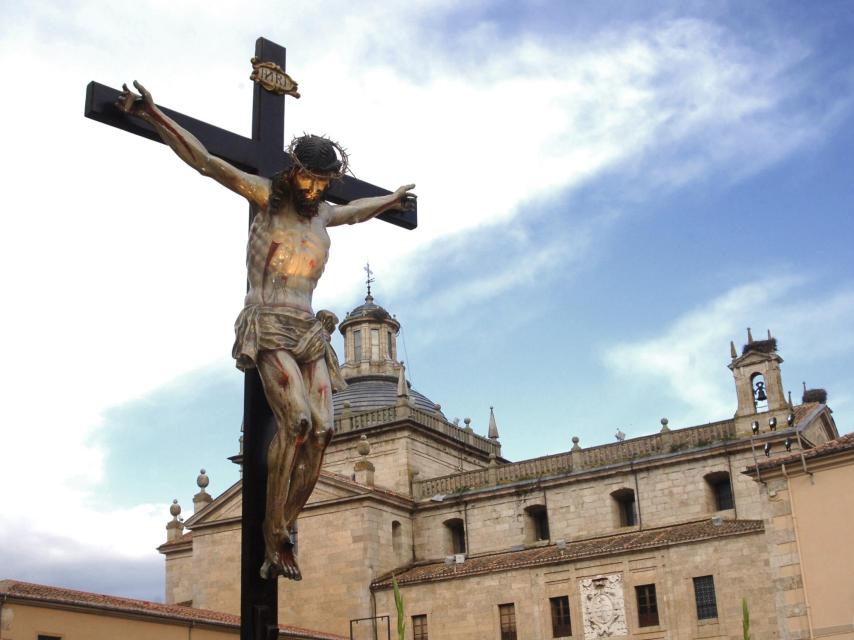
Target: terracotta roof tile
{"type": "Point", "coordinates": [842, 443]}
{"type": "Point", "coordinates": [15, 589]}
{"type": "Point", "coordinates": [552, 554]}
{"type": "Point", "coordinates": [803, 410]}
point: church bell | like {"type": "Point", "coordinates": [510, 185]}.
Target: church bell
{"type": "Point", "coordinates": [760, 392]}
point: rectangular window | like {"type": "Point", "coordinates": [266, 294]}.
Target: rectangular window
{"type": "Point", "coordinates": [647, 605]}
{"type": "Point", "coordinates": [357, 345]}
{"type": "Point", "coordinates": [723, 495]}
{"type": "Point", "coordinates": [507, 616]}
{"type": "Point", "coordinates": [561, 626]}
{"type": "Point", "coordinates": [704, 594]}
{"type": "Point", "coordinates": [628, 508]}
{"type": "Point", "coordinates": [458, 535]}
{"type": "Point", "coordinates": [631, 512]}
{"type": "Point", "coordinates": [375, 344]}
{"type": "Point", "coordinates": [388, 339]}
{"type": "Point", "coordinates": [419, 627]}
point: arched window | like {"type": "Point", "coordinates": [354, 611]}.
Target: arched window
{"type": "Point", "coordinates": [455, 539]}
{"type": "Point", "coordinates": [720, 490]}
{"type": "Point", "coordinates": [357, 345]}
{"type": "Point", "coordinates": [537, 523]}
{"type": "Point", "coordinates": [397, 540]}
{"type": "Point", "coordinates": [760, 392]}
{"type": "Point", "coordinates": [626, 508]}
{"type": "Point", "coordinates": [375, 345]}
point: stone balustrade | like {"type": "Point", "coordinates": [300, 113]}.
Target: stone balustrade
{"type": "Point", "coordinates": [576, 460]}
{"type": "Point", "coordinates": [354, 421]}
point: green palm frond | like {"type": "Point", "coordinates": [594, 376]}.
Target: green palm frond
{"type": "Point", "coordinates": [398, 603]}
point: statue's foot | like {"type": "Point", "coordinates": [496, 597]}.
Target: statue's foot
{"type": "Point", "coordinates": [285, 564]}
{"type": "Point", "coordinates": [290, 569]}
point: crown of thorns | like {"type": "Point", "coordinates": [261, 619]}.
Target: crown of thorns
{"type": "Point", "coordinates": [319, 156]}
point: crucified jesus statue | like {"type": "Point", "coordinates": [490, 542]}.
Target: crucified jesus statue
{"type": "Point", "coordinates": [277, 331]}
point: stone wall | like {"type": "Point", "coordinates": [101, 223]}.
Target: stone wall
{"type": "Point", "coordinates": [582, 505]}
{"type": "Point", "coordinates": [341, 549]}
{"type": "Point", "coordinates": [467, 608]}
{"type": "Point", "coordinates": [216, 568]}
{"type": "Point", "coordinates": [396, 454]}
{"type": "Point", "coordinates": [179, 577]}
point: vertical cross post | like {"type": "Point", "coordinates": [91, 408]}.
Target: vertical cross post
{"type": "Point", "coordinates": [259, 613]}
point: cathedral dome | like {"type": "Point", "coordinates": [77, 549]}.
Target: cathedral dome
{"type": "Point", "coordinates": [374, 392]}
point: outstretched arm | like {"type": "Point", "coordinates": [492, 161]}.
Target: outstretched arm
{"type": "Point", "coordinates": [366, 208]}
{"type": "Point", "coordinates": [254, 188]}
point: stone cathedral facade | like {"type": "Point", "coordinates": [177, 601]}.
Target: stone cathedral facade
{"type": "Point", "coordinates": [659, 536]}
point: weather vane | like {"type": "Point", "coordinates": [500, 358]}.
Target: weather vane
{"type": "Point", "coordinates": [370, 276]}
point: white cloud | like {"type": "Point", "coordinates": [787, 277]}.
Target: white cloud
{"type": "Point", "coordinates": [123, 269]}
{"type": "Point", "coordinates": [687, 356]}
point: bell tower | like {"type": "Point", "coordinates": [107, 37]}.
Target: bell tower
{"type": "Point", "coordinates": [758, 384]}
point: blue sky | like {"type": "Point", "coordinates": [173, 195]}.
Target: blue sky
{"type": "Point", "coordinates": [609, 193]}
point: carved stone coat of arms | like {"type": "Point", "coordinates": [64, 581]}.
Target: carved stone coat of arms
{"type": "Point", "coordinates": [603, 607]}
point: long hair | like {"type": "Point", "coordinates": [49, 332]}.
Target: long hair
{"type": "Point", "coordinates": [280, 189]}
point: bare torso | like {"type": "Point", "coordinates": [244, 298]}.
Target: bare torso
{"type": "Point", "coordinates": [285, 257]}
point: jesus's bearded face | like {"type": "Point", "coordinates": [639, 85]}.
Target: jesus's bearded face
{"type": "Point", "coordinates": [308, 191]}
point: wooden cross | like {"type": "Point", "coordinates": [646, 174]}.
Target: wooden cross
{"type": "Point", "coordinates": [264, 155]}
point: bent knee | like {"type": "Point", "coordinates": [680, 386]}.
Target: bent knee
{"type": "Point", "coordinates": [301, 425]}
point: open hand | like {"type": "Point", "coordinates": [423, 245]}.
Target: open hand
{"type": "Point", "coordinates": [132, 103]}
{"type": "Point", "coordinates": [406, 199]}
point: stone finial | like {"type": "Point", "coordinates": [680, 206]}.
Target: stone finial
{"type": "Point", "coordinates": [468, 425]}
{"type": "Point", "coordinates": [791, 406]}
{"type": "Point", "coordinates": [620, 436]}
{"type": "Point", "coordinates": [732, 352]}
{"type": "Point", "coordinates": [575, 445]}
{"type": "Point", "coordinates": [493, 428]}
{"type": "Point", "coordinates": [202, 498]}
{"type": "Point", "coordinates": [402, 387]}
{"type": "Point", "coordinates": [664, 427]}
{"type": "Point", "coordinates": [346, 411]}
{"type": "Point", "coordinates": [456, 422]}
{"type": "Point", "coordinates": [749, 336]}
{"type": "Point", "coordinates": [364, 469]}
{"type": "Point", "coordinates": [175, 527]}
{"type": "Point", "coordinates": [770, 337]}
{"type": "Point", "coordinates": [364, 447]}
{"type": "Point", "coordinates": [437, 409]}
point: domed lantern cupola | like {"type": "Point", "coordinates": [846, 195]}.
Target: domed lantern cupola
{"type": "Point", "coordinates": [370, 340]}
{"type": "Point", "coordinates": [371, 362]}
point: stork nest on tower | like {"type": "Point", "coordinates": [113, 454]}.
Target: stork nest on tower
{"type": "Point", "coordinates": [760, 346]}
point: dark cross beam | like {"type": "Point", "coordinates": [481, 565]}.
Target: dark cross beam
{"type": "Point", "coordinates": [264, 155]}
